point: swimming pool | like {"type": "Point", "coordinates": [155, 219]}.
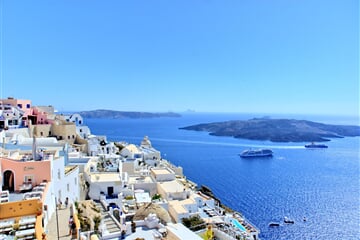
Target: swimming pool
{"type": "Point", "coordinates": [238, 225]}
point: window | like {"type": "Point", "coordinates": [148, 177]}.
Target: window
{"type": "Point", "coordinates": [41, 134]}
{"type": "Point", "coordinates": [28, 179]}
{"type": "Point", "coordinates": [68, 187]}
{"type": "Point", "coordinates": [20, 105]}
{"type": "Point", "coordinates": [59, 175]}
{"type": "Point", "coordinates": [28, 105]}
{"type": "Point", "coordinates": [73, 136]}
{"type": "Point", "coordinates": [68, 137]}
{"type": "Point", "coordinates": [80, 130]}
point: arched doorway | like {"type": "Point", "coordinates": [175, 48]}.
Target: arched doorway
{"type": "Point", "coordinates": [8, 183]}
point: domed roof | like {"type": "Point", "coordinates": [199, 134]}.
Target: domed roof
{"type": "Point", "coordinates": [146, 209]}
{"type": "Point", "coordinates": [146, 142]}
{"type": "Point", "coordinates": [131, 148]}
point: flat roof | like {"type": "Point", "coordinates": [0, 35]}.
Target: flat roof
{"type": "Point", "coordinates": [160, 171]}
{"type": "Point", "coordinates": [142, 233]}
{"type": "Point", "coordinates": [142, 197]}
{"type": "Point", "coordinates": [178, 206]}
{"type": "Point", "coordinates": [140, 179]}
{"type": "Point", "coordinates": [180, 231]}
{"type": "Point", "coordinates": [105, 177]}
{"type": "Point", "coordinates": [172, 186]}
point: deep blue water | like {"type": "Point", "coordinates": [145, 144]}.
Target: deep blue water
{"type": "Point", "coordinates": [321, 185]}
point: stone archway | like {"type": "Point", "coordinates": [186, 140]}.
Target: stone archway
{"type": "Point", "coordinates": [8, 183]}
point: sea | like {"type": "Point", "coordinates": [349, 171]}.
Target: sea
{"type": "Point", "coordinates": [320, 185]}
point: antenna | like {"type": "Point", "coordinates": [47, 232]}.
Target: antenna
{"type": "Point", "coordinates": [1, 49]}
{"type": "Point", "coordinates": [34, 145]}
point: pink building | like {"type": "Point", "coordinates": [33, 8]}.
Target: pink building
{"type": "Point", "coordinates": [39, 115]}
{"type": "Point", "coordinates": [17, 172]}
{"type": "Point", "coordinates": [24, 105]}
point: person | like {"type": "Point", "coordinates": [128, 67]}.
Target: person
{"type": "Point", "coordinates": [71, 221]}
{"type": "Point", "coordinates": [209, 234]}
{"type": "Point", "coordinates": [66, 202]}
{"type": "Point", "coordinates": [73, 228]}
{"type": "Point", "coordinates": [41, 155]}
{"type": "Point", "coordinates": [123, 233]}
{"type": "Point", "coordinates": [133, 226]}
{"type": "Point", "coordinates": [59, 204]}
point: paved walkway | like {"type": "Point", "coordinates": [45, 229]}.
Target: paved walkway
{"type": "Point", "coordinates": [63, 216]}
{"type": "Point", "coordinates": [63, 220]}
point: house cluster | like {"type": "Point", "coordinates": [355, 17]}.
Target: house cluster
{"type": "Point", "coordinates": [48, 157]}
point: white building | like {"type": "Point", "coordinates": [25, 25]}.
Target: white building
{"type": "Point", "coordinates": [82, 130]}
{"type": "Point", "coordinates": [10, 116]}
{"type": "Point", "coordinates": [102, 182]}
{"type": "Point", "coordinates": [162, 174]}
{"type": "Point", "coordinates": [98, 145]}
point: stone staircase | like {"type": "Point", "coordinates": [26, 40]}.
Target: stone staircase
{"type": "Point", "coordinates": [110, 225]}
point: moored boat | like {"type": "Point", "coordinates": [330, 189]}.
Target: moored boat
{"type": "Point", "coordinates": [288, 220]}
{"type": "Point", "coordinates": [314, 145]}
{"type": "Point", "coordinates": [274, 224]}
{"type": "Point", "coordinates": [256, 153]}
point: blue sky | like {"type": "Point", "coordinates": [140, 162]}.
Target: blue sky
{"type": "Point", "coordinates": [279, 56]}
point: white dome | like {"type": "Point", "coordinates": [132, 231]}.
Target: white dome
{"type": "Point", "coordinates": [146, 142]}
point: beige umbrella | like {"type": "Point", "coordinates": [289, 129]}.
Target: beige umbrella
{"type": "Point", "coordinates": [146, 209]}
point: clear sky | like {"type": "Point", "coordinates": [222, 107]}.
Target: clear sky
{"type": "Point", "coordinates": [278, 56]}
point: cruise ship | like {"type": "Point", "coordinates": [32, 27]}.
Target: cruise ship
{"type": "Point", "coordinates": [256, 153]}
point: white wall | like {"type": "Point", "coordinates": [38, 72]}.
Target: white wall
{"type": "Point", "coordinates": [83, 131]}
{"type": "Point", "coordinates": [97, 187]}
{"type": "Point", "coordinates": [65, 185]}
{"type": "Point", "coordinates": [177, 216]}
{"type": "Point", "coordinates": [60, 187]}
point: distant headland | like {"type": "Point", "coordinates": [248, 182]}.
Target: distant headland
{"type": "Point", "coordinates": [103, 113]}
{"type": "Point", "coordinates": [277, 130]}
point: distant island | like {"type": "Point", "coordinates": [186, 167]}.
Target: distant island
{"type": "Point", "coordinates": [103, 113]}
{"type": "Point", "coordinates": [277, 130]}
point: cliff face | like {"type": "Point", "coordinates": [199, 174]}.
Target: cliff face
{"type": "Point", "coordinates": [102, 113]}
{"type": "Point", "coordinates": [277, 130]}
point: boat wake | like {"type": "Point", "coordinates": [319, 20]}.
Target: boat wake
{"type": "Point", "coordinates": [227, 144]}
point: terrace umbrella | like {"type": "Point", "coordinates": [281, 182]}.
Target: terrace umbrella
{"type": "Point", "coordinates": [146, 209]}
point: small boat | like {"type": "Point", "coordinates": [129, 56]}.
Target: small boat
{"type": "Point", "coordinates": [274, 224]}
{"type": "Point", "coordinates": [250, 153]}
{"type": "Point", "coordinates": [314, 145]}
{"type": "Point", "coordinates": [288, 220]}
